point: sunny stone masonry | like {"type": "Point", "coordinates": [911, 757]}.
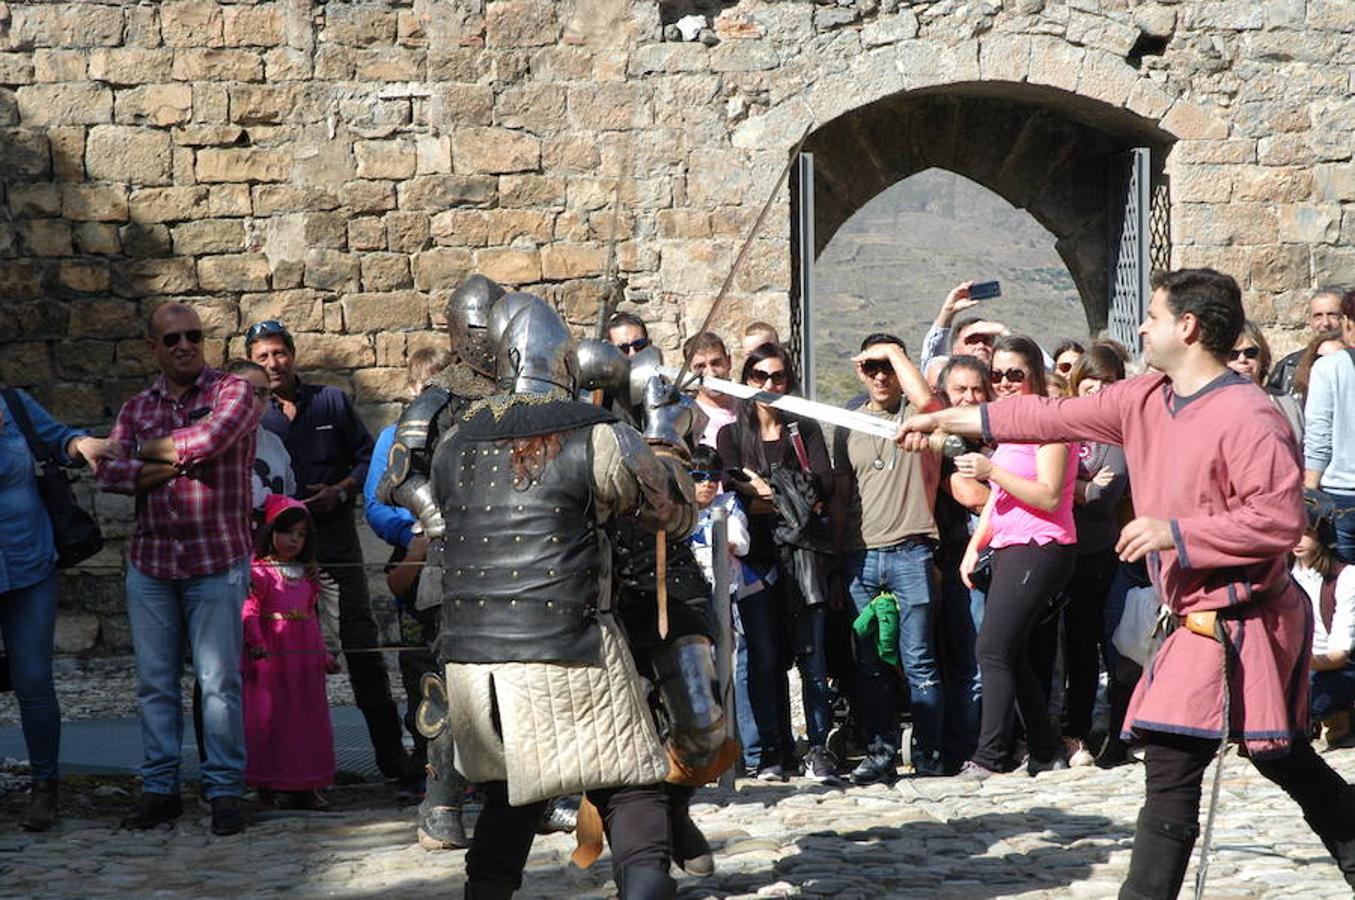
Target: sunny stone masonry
{"type": "Point", "coordinates": [344, 165]}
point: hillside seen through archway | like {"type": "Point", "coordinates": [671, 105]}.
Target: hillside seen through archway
{"type": "Point", "coordinates": [891, 264]}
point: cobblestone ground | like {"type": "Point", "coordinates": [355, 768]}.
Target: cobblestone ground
{"type": "Point", "coordinates": [1063, 834]}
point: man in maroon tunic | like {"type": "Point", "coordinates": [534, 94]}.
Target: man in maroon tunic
{"type": "Point", "coordinates": [1218, 492]}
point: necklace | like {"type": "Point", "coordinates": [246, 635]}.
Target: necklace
{"type": "Point", "coordinates": [878, 463]}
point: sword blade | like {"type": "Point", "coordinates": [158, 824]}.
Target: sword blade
{"type": "Point", "coordinates": [809, 409]}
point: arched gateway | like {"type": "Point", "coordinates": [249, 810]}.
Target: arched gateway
{"type": "Point", "coordinates": [1090, 173]}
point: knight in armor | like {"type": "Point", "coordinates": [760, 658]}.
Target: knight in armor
{"type": "Point", "coordinates": [542, 697]}
{"type": "Point", "coordinates": [679, 656]}
{"type": "Point", "coordinates": [446, 395]}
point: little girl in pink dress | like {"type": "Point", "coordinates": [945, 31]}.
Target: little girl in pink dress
{"type": "Point", "coordinates": [288, 736]}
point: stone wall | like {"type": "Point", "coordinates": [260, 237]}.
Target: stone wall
{"type": "Point", "coordinates": [343, 165]}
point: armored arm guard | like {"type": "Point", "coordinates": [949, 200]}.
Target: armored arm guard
{"type": "Point", "coordinates": [632, 478]}
{"type": "Point", "coordinates": [406, 481]}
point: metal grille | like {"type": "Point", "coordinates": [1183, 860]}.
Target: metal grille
{"type": "Point", "coordinates": [1160, 226]}
{"type": "Point", "coordinates": [1129, 244]}
{"type": "Point", "coordinates": [801, 339]}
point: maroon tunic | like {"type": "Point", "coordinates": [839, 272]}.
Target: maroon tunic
{"type": "Point", "coordinates": [1223, 468]}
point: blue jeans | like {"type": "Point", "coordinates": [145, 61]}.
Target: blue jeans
{"type": "Point", "coordinates": [961, 618]}
{"type": "Point", "coordinates": [758, 672]}
{"type": "Point", "coordinates": [28, 624]}
{"type": "Point", "coordinates": [905, 569]}
{"type": "Point", "coordinates": [762, 692]}
{"type": "Point", "coordinates": [1345, 526]}
{"type": "Point", "coordinates": [206, 610]}
{"type": "Point", "coordinates": [1332, 692]}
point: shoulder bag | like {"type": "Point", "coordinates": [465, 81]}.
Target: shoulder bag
{"type": "Point", "coordinates": [74, 531]}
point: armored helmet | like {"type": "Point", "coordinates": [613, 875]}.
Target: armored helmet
{"type": "Point", "coordinates": [603, 367]}
{"type": "Point", "coordinates": [535, 352]}
{"type": "Point", "coordinates": [468, 322]}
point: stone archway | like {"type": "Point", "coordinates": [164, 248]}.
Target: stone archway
{"type": "Point", "coordinates": [1044, 150]}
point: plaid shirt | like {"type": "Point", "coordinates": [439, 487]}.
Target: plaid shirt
{"type": "Point", "coordinates": [198, 523]}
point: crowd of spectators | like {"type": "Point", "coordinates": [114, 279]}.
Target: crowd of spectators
{"type": "Point", "coordinates": [969, 602]}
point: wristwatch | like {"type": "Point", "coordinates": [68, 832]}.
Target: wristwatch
{"type": "Point", "coordinates": [343, 494]}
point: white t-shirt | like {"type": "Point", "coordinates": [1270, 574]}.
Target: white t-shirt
{"type": "Point", "coordinates": [1342, 634]}
{"type": "Point", "coordinates": [272, 468]}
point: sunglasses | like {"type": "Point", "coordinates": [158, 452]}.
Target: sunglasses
{"type": "Point", "coordinates": [758, 376]}
{"type": "Point", "coordinates": [171, 338]}
{"type": "Point", "coordinates": [1015, 376]}
{"type": "Point", "coordinates": [978, 339]}
{"type": "Point", "coordinates": [266, 328]}
{"type": "Point", "coordinates": [636, 345]}
{"type": "Point", "coordinates": [700, 476]}
{"type": "Point", "coordinates": [1245, 353]}
{"type": "Point", "coordinates": [872, 367]}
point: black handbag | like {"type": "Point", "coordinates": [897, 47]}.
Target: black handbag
{"type": "Point", "coordinates": [74, 532]}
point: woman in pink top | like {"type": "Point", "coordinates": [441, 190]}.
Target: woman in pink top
{"type": "Point", "coordinates": [1028, 526]}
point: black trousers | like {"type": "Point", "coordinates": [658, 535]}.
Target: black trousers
{"type": "Point", "coordinates": [336, 541]}
{"type": "Point", "coordinates": [1025, 579]}
{"type": "Point", "coordinates": [1083, 625]}
{"type": "Point", "coordinates": [634, 819]}
{"type": "Point", "coordinates": [1176, 766]}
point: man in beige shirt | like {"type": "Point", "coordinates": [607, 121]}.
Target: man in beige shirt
{"type": "Point", "coordinates": [886, 533]}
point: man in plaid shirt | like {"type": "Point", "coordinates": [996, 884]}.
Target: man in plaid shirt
{"type": "Point", "coordinates": [189, 440]}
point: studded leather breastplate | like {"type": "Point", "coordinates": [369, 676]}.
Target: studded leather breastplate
{"type": "Point", "coordinates": [521, 563]}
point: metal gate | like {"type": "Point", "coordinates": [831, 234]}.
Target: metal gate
{"type": "Point", "coordinates": [801, 338]}
{"type": "Point", "coordinates": [1138, 242]}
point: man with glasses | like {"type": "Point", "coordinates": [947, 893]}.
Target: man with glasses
{"type": "Point", "coordinates": [330, 449]}
{"type": "Point", "coordinates": [1324, 316]}
{"type": "Point", "coordinates": [968, 336]}
{"type": "Point", "coordinates": [189, 442]}
{"type": "Point", "coordinates": [628, 333]}
{"type": "Point", "coordinates": [885, 533]}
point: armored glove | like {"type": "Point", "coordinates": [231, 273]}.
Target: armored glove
{"type": "Point", "coordinates": [669, 416]}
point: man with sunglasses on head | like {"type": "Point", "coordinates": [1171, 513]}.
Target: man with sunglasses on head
{"type": "Point", "coordinates": [884, 530]}
{"type": "Point", "coordinates": [330, 449]}
{"type": "Point", "coordinates": [189, 441]}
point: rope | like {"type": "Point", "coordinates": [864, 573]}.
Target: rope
{"type": "Point", "coordinates": [108, 568]}
{"type": "Point", "coordinates": [1200, 876]}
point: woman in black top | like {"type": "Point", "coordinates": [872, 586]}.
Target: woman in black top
{"type": "Point", "coordinates": [778, 623]}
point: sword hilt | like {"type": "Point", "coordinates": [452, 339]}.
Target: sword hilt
{"type": "Point", "coordinates": [947, 445]}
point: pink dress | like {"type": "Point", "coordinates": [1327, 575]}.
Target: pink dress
{"type": "Point", "coordinates": [288, 736]}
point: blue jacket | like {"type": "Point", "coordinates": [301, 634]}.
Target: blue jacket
{"type": "Point", "coordinates": [393, 524]}
{"type": "Point", "coordinates": [27, 553]}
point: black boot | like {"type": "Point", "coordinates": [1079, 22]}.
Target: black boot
{"type": "Point", "coordinates": [42, 813]}
{"type": "Point", "coordinates": [1161, 855]}
{"type": "Point", "coordinates": [1334, 822]}
{"type": "Point", "coordinates": [488, 890]}
{"type": "Point", "coordinates": [635, 883]}
{"type": "Point", "coordinates": [691, 851]}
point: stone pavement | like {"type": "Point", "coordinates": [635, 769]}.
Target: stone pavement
{"type": "Point", "coordinates": [1063, 834]}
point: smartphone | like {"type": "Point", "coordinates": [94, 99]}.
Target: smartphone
{"type": "Point", "coordinates": [737, 475]}
{"type": "Point", "coordinates": [985, 290]}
